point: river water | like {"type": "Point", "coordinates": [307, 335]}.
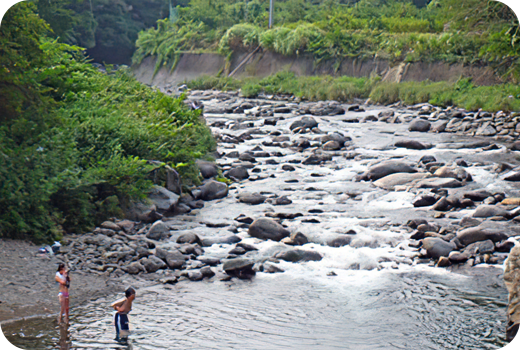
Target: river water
{"type": "Point", "coordinates": [368, 295]}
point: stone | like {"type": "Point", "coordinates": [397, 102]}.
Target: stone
{"type": "Point", "coordinates": [420, 125]}
{"type": "Point", "coordinates": [437, 183]}
{"type": "Point", "coordinates": [512, 282]}
{"type": "Point", "coordinates": [287, 167]}
{"type": "Point", "coordinates": [283, 200]}
{"type": "Point", "coordinates": [443, 262]}
{"type": "Point", "coordinates": [316, 159]}
{"type": "Point", "coordinates": [251, 198]}
{"type": "Point", "coordinates": [110, 225]}
{"type": "Point", "coordinates": [207, 272]}
{"type": "Point", "coordinates": [424, 201]}
{"type": "Point", "coordinates": [173, 258]}
{"type": "Point", "coordinates": [453, 172]}
{"type": "Point", "coordinates": [512, 176]}
{"type": "Point", "coordinates": [332, 146]}
{"type": "Point", "coordinates": [390, 182]}
{"type": "Point", "coordinates": [237, 251]}
{"type": "Point", "coordinates": [189, 238]}
{"type": "Point", "coordinates": [133, 268]}
{"type": "Point", "coordinates": [478, 195]}
{"type": "Point", "coordinates": [504, 247]}
{"type": "Point", "coordinates": [246, 157]}
{"type": "Point", "coordinates": [487, 211]}
{"type": "Point", "coordinates": [468, 221]}
{"type": "Point", "coordinates": [159, 231]}
{"type": "Point", "coordinates": [481, 247]}
{"type": "Point", "coordinates": [239, 267]}
{"type": "Point", "coordinates": [304, 123]}
{"type": "Point", "coordinates": [173, 180]}
{"type": "Point", "coordinates": [209, 260]}
{"type": "Point", "coordinates": [264, 228]}
{"type": "Point", "coordinates": [340, 241]}
{"type": "Point", "coordinates": [152, 263]}
{"type": "Point", "coordinates": [480, 233]}
{"type": "Point", "coordinates": [486, 130]}
{"type": "Point", "coordinates": [427, 159]}
{"type": "Point", "coordinates": [207, 169]}
{"type": "Point", "coordinates": [413, 144]}
{"type": "Point", "coordinates": [385, 168]}
{"type": "Point", "coordinates": [238, 173]}
{"type": "Point", "coordinates": [510, 201]}
{"type": "Point", "coordinates": [209, 241]}
{"type": "Point", "coordinates": [297, 255]}
{"type": "Point", "coordinates": [458, 257]}
{"type": "Point", "coordinates": [296, 238]}
{"type": "Point", "coordinates": [441, 205]}
{"type": "Point", "coordinates": [212, 190]}
{"type": "Point", "coordinates": [163, 199]}
{"type": "Point", "coordinates": [437, 247]}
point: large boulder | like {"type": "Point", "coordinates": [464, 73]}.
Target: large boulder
{"type": "Point", "coordinates": [413, 144]}
{"type": "Point", "coordinates": [142, 211]}
{"type": "Point", "coordinates": [133, 268]}
{"type": "Point", "coordinates": [438, 182]}
{"type": "Point", "coordinates": [480, 233]}
{"type": "Point", "coordinates": [265, 228]}
{"type": "Point", "coordinates": [296, 255]}
{"type": "Point", "coordinates": [387, 167]}
{"type": "Point", "coordinates": [207, 169]}
{"type": "Point", "coordinates": [209, 241]}
{"type": "Point", "coordinates": [238, 173]}
{"type": "Point", "coordinates": [512, 282]}
{"type": "Point", "coordinates": [436, 247]}
{"type": "Point", "coordinates": [213, 190]}
{"type": "Point", "coordinates": [477, 195]}
{"type": "Point", "coordinates": [420, 125]}
{"type": "Point", "coordinates": [173, 180]}
{"type": "Point", "coordinates": [390, 182]}
{"type": "Point", "coordinates": [159, 230]}
{"type": "Point", "coordinates": [304, 123]}
{"type": "Point", "coordinates": [239, 267]}
{"type": "Point", "coordinates": [152, 263]}
{"type": "Point", "coordinates": [173, 258]}
{"type": "Point", "coordinates": [487, 211]}
{"type": "Point", "coordinates": [251, 198]}
{"type": "Point", "coordinates": [163, 199]}
{"type": "Point", "coordinates": [190, 238]}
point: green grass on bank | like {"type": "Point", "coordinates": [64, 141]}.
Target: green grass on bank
{"type": "Point", "coordinates": [74, 142]}
{"type": "Point", "coordinates": [463, 93]}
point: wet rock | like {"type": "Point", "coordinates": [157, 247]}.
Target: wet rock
{"type": "Point", "coordinates": [486, 130]}
{"type": "Point", "coordinates": [296, 255]}
{"type": "Point", "coordinates": [173, 180]}
{"type": "Point", "coordinates": [480, 233]}
{"type": "Point", "coordinates": [317, 159]}
{"type": "Point", "coordinates": [251, 198]}
{"type": "Point", "coordinates": [133, 268]}
{"type": "Point", "coordinates": [437, 183]}
{"type": "Point", "coordinates": [287, 167]}
{"type": "Point", "coordinates": [427, 159]}
{"type": "Point", "coordinates": [512, 176]}
{"type": "Point", "coordinates": [478, 195]}
{"type": "Point", "coordinates": [420, 125]}
{"type": "Point", "coordinates": [385, 168]}
{"type": "Point", "coordinates": [173, 258]}
{"type": "Point", "coordinates": [190, 238]}
{"type": "Point", "coordinates": [424, 201]}
{"type": "Point", "coordinates": [126, 225]}
{"type": "Point", "coordinates": [207, 272]}
{"type": "Point", "coordinates": [264, 228]}
{"type": "Point", "coordinates": [237, 251]}
{"type": "Point", "coordinates": [443, 262]}
{"type": "Point", "coordinates": [453, 172]}
{"type": "Point", "coordinates": [209, 260]}
{"type": "Point", "coordinates": [332, 146]}
{"type": "Point", "coordinates": [207, 169]}
{"type": "Point", "coordinates": [390, 182]}
{"type": "Point", "coordinates": [504, 247]}
{"type": "Point", "coordinates": [152, 264]}
{"type": "Point", "coordinates": [296, 238]}
{"type": "Point", "coordinates": [209, 241]}
{"type": "Point", "coordinates": [437, 247]}
{"type": "Point", "coordinates": [268, 267]}
{"type": "Point", "coordinates": [111, 226]}
{"type": "Point", "coordinates": [283, 200]}
{"type": "Point", "coordinates": [468, 221]}
{"type": "Point", "coordinates": [441, 205]}
{"type": "Point", "coordinates": [414, 223]}
{"type": "Point", "coordinates": [159, 231]}
{"type": "Point", "coordinates": [239, 267]}
{"type": "Point", "coordinates": [458, 257]}
{"type": "Point", "coordinates": [481, 247]}
{"type": "Point", "coordinates": [239, 173]}
{"type": "Point", "coordinates": [487, 211]}
{"type": "Point", "coordinates": [304, 123]}
{"type": "Point", "coordinates": [247, 157]}
{"type": "Point", "coordinates": [340, 241]}
{"type": "Point", "coordinates": [512, 282]}
{"type": "Point", "coordinates": [413, 144]}
{"type": "Point", "coordinates": [213, 190]}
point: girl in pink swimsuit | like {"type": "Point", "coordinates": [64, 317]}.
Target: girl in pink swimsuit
{"type": "Point", "coordinates": [63, 278]}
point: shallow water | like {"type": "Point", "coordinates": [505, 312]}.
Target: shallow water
{"type": "Point", "coordinates": [353, 310]}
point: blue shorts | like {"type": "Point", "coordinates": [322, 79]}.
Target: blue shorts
{"type": "Point", "coordinates": [121, 322]}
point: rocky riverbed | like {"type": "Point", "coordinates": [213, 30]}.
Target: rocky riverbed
{"type": "Point", "coordinates": [327, 186]}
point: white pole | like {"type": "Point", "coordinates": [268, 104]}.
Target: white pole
{"type": "Point", "coordinates": [270, 13]}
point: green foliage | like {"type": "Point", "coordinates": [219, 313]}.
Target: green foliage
{"type": "Point", "coordinates": [74, 142]}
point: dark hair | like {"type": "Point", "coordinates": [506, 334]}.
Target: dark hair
{"type": "Point", "coordinates": [129, 291]}
{"type": "Point", "coordinates": [61, 266]}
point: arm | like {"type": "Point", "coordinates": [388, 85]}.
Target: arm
{"type": "Point", "coordinates": [60, 281]}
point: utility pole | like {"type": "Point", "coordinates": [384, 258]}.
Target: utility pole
{"type": "Point", "coordinates": [270, 13]}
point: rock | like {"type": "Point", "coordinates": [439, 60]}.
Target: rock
{"type": "Point", "coordinates": [427, 159]}
{"type": "Point", "coordinates": [458, 257]}
{"type": "Point", "coordinates": [239, 173]}
{"type": "Point", "coordinates": [512, 282]}
{"type": "Point", "coordinates": [207, 169]}
{"type": "Point", "coordinates": [511, 201]}
{"type": "Point", "coordinates": [264, 228]}
{"type": "Point", "coordinates": [478, 195]}
{"type": "Point", "coordinates": [340, 241]}
{"type": "Point", "coordinates": [126, 225]}
{"type": "Point", "coordinates": [480, 233]}
{"type": "Point", "coordinates": [239, 267]}
{"type": "Point", "coordinates": [209, 260]}
{"type": "Point", "coordinates": [251, 198]}
{"type": "Point", "coordinates": [413, 144]}
{"type": "Point", "coordinates": [437, 247]}
{"type": "Point", "coordinates": [246, 157]}
{"type": "Point", "coordinates": [271, 268]}
{"type": "Point", "coordinates": [424, 201]}
{"type": "Point", "coordinates": [437, 183]}
{"type": "Point", "coordinates": [443, 262]}
{"type": "Point", "coordinates": [287, 167]}
{"type": "Point", "coordinates": [304, 123]}
{"type": "Point", "coordinates": [468, 221]}
{"type": "Point", "coordinates": [110, 226]}
{"type": "Point", "coordinates": [173, 180]}
{"type": "Point", "coordinates": [237, 251]}
{"type": "Point", "coordinates": [512, 176]}
{"type": "Point", "coordinates": [317, 159]}
{"type": "Point", "coordinates": [283, 200]}
{"type": "Point", "coordinates": [441, 205]}
{"type": "Point", "coordinates": [133, 268]}
{"type": "Point", "coordinates": [414, 223]}
{"type": "Point", "coordinates": [163, 199]}
{"type": "Point", "coordinates": [296, 238]}
{"type": "Point", "coordinates": [487, 211]}
{"type": "Point", "coordinates": [332, 146]}
{"type": "Point", "coordinates": [296, 255]}
{"type": "Point", "coordinates": [190, 238]}
{"type": "Point", "coordinates": [387, 167]}
{"type": "Point", "coordinates": [159, 230]}
{"type": "Point", "coordinates": [213, 190]}
{"type": "Point", "coordinates": [504, 247]}
{"type": "Point", "coordinates": [453, 172]}
{"type": "Point", "coordinates": [420, 125]}
{"type": "Point", "coordinates": [461, 162]}
{"type": "Point", "coordinates": [439, 126]}
{"type": "Point", "coordinates": [481, 247]}
{"type": "Point", "coordinates": [209, 241]}
{"type": "Point", "coordinates": [486, 130]}
{"type": "Point", "coordinates": [152, 264]}
{"type": "Point", "coordinates": [207, 272]}
{"type": "Point", "coordinates": [390, 182]}
{"type": "Point", "coordinates": [173, 258]}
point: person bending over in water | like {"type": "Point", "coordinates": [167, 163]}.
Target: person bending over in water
{"type": "Point", "coordinates": [123, 307]}
{"type": "Point", "coordinates": [63, 278]}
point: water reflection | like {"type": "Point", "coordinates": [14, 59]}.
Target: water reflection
{"type": "Point", "coordinates": [360, 310]}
